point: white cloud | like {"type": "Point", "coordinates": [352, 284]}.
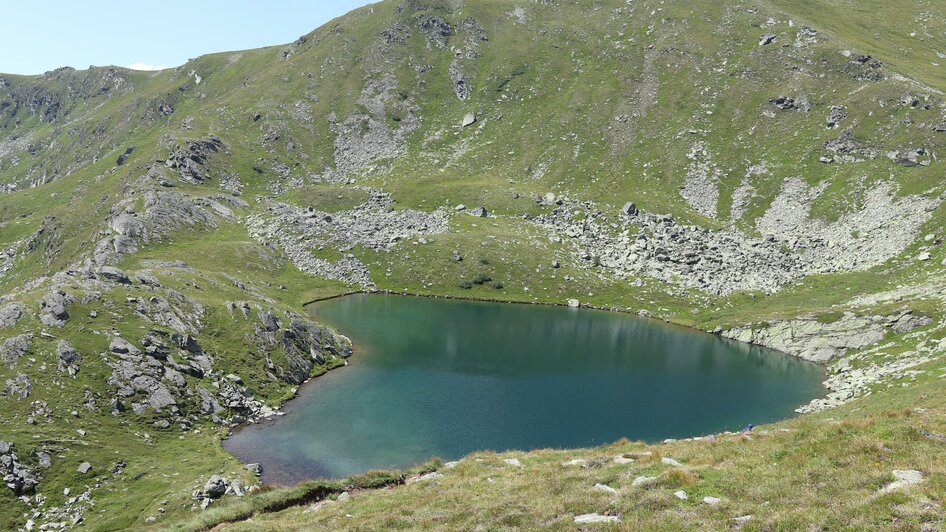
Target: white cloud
{"type": "Point", "coordinates": [145, 66]}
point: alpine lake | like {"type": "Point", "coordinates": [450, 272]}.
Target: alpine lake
{"type": "Point", "coordinates": [437, 377]}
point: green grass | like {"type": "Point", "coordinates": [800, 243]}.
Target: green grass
{"type": "Point", "coordinates": [268, 501]}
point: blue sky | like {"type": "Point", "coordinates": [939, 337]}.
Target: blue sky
{"type": "Point", "coordinates": [41, 36]}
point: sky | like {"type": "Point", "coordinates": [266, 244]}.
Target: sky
{"type": "Point", "coordinates": [41, 36]}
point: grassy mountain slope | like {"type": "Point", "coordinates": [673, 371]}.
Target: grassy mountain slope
{"type": "Point", "coordinates": [192, 212]}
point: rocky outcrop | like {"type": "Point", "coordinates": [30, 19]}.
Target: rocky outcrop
{"type": "Point", "coordinates": [435, 29]}
{"type": "Point", "coordinates": [472, 35]}
{"type": "Point", "coordinates": [303, 345]}
{"type": "Point", "coordinates": [820, 341]}
{"type": "Point", "coordinates": [848, 149]}
{"type": "Point", "coordinates": [145, 380]}
{"type": "Point", "coordinates": [52, 308]}
{"type": "Point", "coordinates": [155, 377]}
{"type": "Point", "coordinates": [865, 68]}
{"type": "Point", "coordinates": [20, 479]}
{"type": "Point", "coordinates": [18, 387]}
{"type": "Point", "coordinates": [13, 348]}
{"type": "Point", "coordinates": [395, 33]}
{"type": "Point", "coordinates": [10, 314]}
{"type": "Point", "coordinates": [113, 274]}
{"type": "Point", "coordinates": [171, 309]}
{"type": "Point", "coordinates": [8, 256]}
{"type": "Point", "coordinates": [164, 212]}
{"type": "Point", "coordinates": [68, 358]}
{"type": "Point", "coordinates": [190, 159]}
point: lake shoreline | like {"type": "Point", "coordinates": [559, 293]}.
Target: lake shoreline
{"type": "Point", "coordinates": [645, 432]}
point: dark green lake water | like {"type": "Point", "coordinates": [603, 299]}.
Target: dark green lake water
{"type": "Point", "coordinates": [434, 377]}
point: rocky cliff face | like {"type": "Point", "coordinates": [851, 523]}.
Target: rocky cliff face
{"type": "Point", "coordinates": [820, 341]}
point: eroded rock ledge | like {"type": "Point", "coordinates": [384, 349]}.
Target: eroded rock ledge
{"type": "Point", "coordinates": [822, 341]}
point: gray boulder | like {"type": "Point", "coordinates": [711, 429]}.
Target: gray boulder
{"type": "Point", "coordinates": [113, 274]}
{"type": "Point", "coordinates": [128, 225]}
{"type": "Point", "coordinates": [783, 102]}
{"type": "Point", "coordinates": [84, 468]}
{"type": "Point", "coordinates": [52, 308]}
{"type": "Point", "coordinates": [122, 347]}
{"type": "Point", "coordinates": [68, 357]}
{"type": "Point", "coordinates": [630, 209]}
{"type": "Point", "coordinates": [216, 487]}
{"type": "Point", "coordinates": [468, 120]}
{"type": "Point", "coordinates": [45, 461]}
{"type": "Point", "coordinates": [269, 321]}
{"type": "Point", "coordinates": [588, 519]}
{"type": "Point", "coordinates": [479, 212]}
{"type": "Point", "coordinates": [13, 348]}
{"type": "Point", "coordinates": [10, 314]}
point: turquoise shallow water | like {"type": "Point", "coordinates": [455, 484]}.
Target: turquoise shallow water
{"type": "Point", "coordinates": [434, 377]}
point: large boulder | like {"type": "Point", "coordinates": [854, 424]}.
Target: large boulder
{"type": "Point", "coordinates": [68, 357]}
{"type": "Point", "coordinates": [122, 347]}
{"type": "Point", "coordinates": [216, 487]}
{"type": "Point", "coordinates": [10, 314]}
{"type": "Point", "coordinates": [13, 348]}
{"type": "Point", "coordinates": [52, 308]}
{"type": "Point", "coordinates": [113, 274]}
{"type": "Point", "coordinates": [127, 224]}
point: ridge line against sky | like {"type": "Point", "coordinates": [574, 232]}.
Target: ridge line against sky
{"type": "Point", "coordinates": [148, 36]}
